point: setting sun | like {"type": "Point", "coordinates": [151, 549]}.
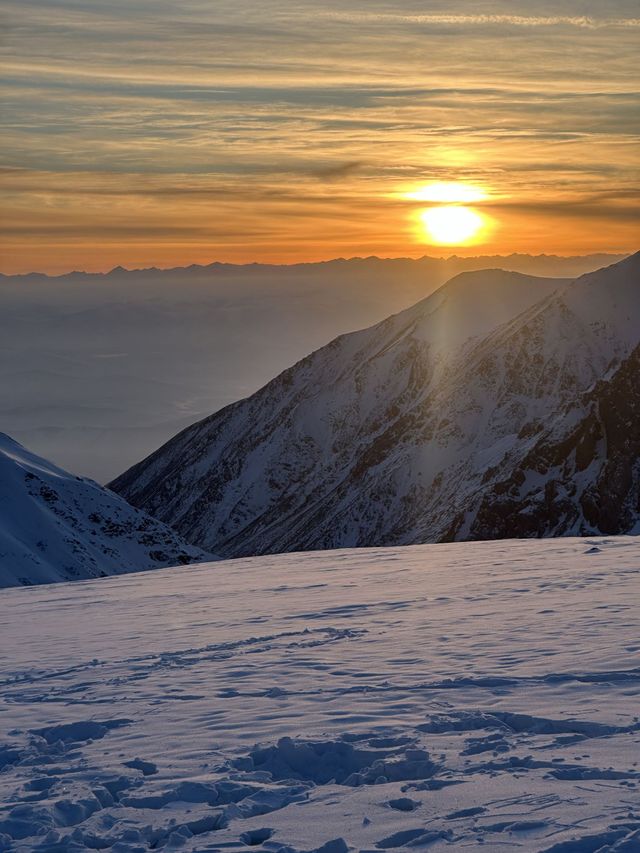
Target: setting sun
{"type": "Point", "coordinates": [451, 225]}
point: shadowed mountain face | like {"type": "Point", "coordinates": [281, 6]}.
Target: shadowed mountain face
{"type": "Point", "coordinates": [57, 527]}
{"type": "Point", "coordinates": [402, 432]}
{"type": "Point", "coordinates": [119, 363]}
{"type": "Point", "coordinates": [583, 473]}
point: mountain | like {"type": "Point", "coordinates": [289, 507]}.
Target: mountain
{"type": "Point", "coordinates": [582, 473]}
{"type": "Point", "coordinates": [395, 434]}
{"type": "Point", "coordinates": [118, 363]}
{"type": "Point", "coordinates": [55, 527]}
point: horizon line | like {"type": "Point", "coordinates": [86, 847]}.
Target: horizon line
{"type": "Point", "coordinates": [121, 269]}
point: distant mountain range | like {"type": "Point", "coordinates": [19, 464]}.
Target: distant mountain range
{"type": "Point", "coordinates": [120, 362]}
{"type": "Point", "coordinates": [501, 405]}
{"type": "Point", "coordinates": [55, 527]}
{"type": "Point", "coordinates": [570, 265]}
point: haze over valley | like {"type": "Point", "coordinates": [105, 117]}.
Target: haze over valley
{"type": "Point", "coordinates": [117, 364]}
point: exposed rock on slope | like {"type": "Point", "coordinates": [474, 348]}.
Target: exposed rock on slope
{"type": "Point", "coordinates": [54, 526]}
{"type": "Point", "coordinates": [395, 434]}
{"type": "Point", "coordinates": [582, 474]}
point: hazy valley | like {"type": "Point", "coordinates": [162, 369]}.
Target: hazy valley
{"type": "Point", "coordinates": [118, 363]}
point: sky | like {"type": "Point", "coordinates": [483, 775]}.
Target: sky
{"type": "Point", "coordinates": [170, 132]}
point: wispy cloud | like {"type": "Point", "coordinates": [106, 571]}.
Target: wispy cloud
{"type": "Point", "coordinates": [275, 130]}
{"type": "Point", "coordinates": [581, 21]}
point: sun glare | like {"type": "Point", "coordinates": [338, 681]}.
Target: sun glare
{"type": "Point", "coordinates": [449, 221]}
{"type": "Point", "coordinates": [447, 193]}
{"type": "Point", "coordinates": [451, 225]}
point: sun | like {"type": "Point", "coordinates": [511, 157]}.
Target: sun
{"type": "Point", "coordinates": [451, 218]}
{"type": "Point", "coordinates": [451, 225]}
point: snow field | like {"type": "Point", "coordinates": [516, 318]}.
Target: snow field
{"type": "Point", "coordinates": [439, 697]}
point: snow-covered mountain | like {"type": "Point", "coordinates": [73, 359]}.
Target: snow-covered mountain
{"type": "Point", "coordinates": [56, 527]}
{"type": "Point", "coordinates": [397, 434]}
{"type": "Point", "coordinates": [582, 473]}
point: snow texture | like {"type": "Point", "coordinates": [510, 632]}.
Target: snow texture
{"type": "Point", "coordinates": [501, 405]}
{"type": "Point", "coordinates": [443, 697]}
{"type": "Point", "coordinates": [57, 527]}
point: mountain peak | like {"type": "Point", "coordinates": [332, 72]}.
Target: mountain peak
{"type": "Point", "coordinates": [393, 434]}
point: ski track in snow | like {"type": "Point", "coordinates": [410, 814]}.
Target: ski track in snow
{"type": "Point", "coordinates": [442, 697]}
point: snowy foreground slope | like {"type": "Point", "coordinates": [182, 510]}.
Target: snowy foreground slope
{"type": "Point", "coordinates": [57, 527]}
{"type": "Point", "coordinates": [441, 697]}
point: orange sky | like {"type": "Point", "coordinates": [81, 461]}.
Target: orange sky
{"type": "Point", "coordinates": [165, 133]}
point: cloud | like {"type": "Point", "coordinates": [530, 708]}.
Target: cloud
{"type": "Point", "coordinates": [587, 209]}
{"type": "Point", "coordinates": [580, 21]}
{"type": "Point", "coordinates": [296, 122]}
{"type": "Point", "coordinates": [337, 172]}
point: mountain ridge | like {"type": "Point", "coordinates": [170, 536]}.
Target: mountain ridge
{"type": "Point", "coordinates": [228, 266]}
{"type": "Point", "coordinates": [382, 436]}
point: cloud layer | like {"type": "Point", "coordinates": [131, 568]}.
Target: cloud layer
{"type": "Point", "coordinates": [168, 132]}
